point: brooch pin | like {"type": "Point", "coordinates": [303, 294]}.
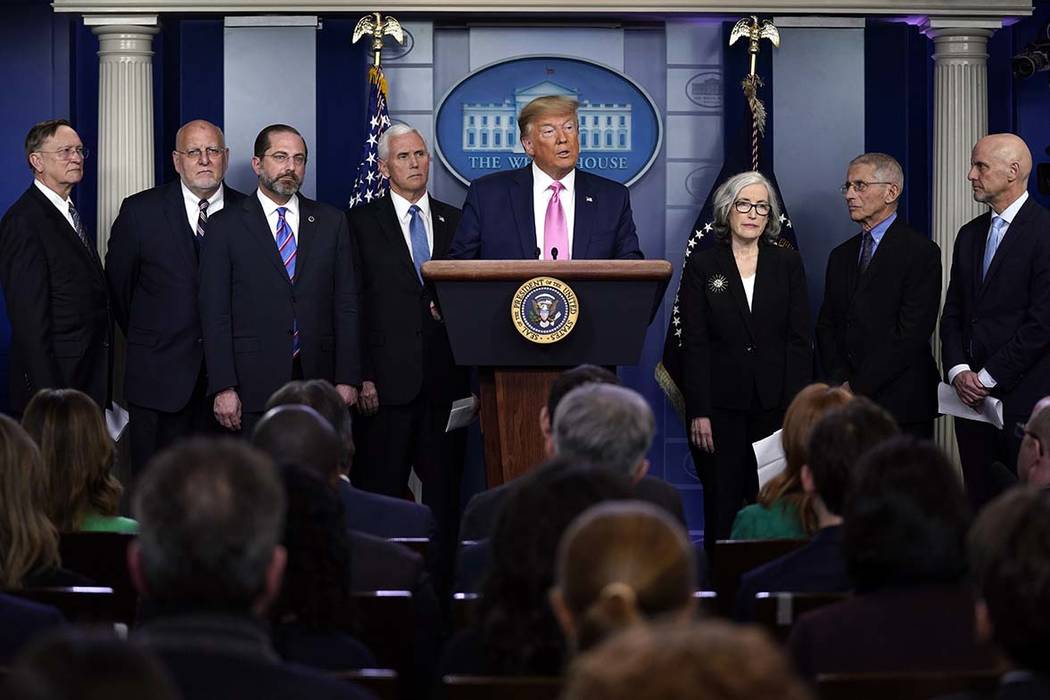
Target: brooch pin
{"type": "Point", "coordinates": [589, 199]}
{"type": "Point", "coordinates": [310, 219]}
{"type": "Point", "coordinates": [717, 283]}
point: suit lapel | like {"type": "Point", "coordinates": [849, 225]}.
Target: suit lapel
{"type": "Point", "coordinates": [395, 237]}
{"type": "Point", "coordinates": [524, 214]}
{"type": "Point", "coordinates": [586, 203]}
{"type": "Point", "coordinates": [89, 252]}
{"type": "Point", "coordinates": [442, 231]}
{"type": "Point", "coordinates": [306, 237]}
{"type": "Point", "coordinates": [178, 224]}
{"type": "Point", "coordinates": [728, 268]}
{"type": "Point", "coordinates": [259, 231]}
{"type": "Point", "coordinates": [977, 254]}
{"type": "Point", "coordinates": [853, 269]}
{"type": "Point", "coordinates": [881, 260]}
{"type": "Point", "coordinates": [1011, 239]}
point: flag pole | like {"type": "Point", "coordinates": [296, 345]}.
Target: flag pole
{"type": "Point", "coordinates": [755, 31]}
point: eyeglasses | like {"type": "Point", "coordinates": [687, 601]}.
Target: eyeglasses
{"type": "Point", "coordinates": [744, 207]}
{"type": "Point", "coordinates": [281, 158]}
{"type": "Point", "coordinates": [860, 185]}
{"type": "Point", "coordinates": [68, 152]}
{"type": "Point", "coordinates": [196, 153]}
{"type": "Point", "coordinates": [1021, 430]}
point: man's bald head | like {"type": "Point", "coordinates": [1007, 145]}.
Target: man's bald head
{"type": "Point", "coordinates": [999, 168]}
{"type": "Point", "coordinates": [297, 434]}
{"type": "Point", "coordinates": [1033, 458]}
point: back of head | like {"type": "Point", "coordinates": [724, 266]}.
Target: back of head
{"type": "Point", "coordinates": [320, 395]}
{"type": "Point", "coordinates": [297, 434]}
{"type": "Point", "coordinates": [520, 631]}
{"type": "Point", "coordinates": [210, 515]}
{"type": "Point", "coordinates": [905, 517]}
{"type": "Point", "coordinates": [576, 377]}
{"type": "Point", "coordinates": [1010, 557]}
{"type": "Point", "coordinates": [28, 540]}
{"type": "Point", "coordinates": [609, 426]}
{"type": "Point", "coordinates": [77, 664]}
{"type": "Point", "coordinates": [711, 660]}
{"type": "Point", "coordinates": [838, 441]}
{"type": "Point", "coordinates": [621, 562]}
{"type": "Point", "coordinates": [78, 455]}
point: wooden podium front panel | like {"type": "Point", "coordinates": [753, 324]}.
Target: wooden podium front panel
{"type": "Point", "coordinates": [511, 400]}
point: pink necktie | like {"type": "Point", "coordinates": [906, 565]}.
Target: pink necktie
{"type": "Point", "coordinates": [555, 230]}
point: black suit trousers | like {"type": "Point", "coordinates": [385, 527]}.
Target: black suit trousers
{"type": "Point", "coordinates": [150, 431]}
{"type": "Point", "coordinates": [981, 444]}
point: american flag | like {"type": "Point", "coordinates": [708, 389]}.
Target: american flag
{"type": "Point", "coordinates": [369, 183]}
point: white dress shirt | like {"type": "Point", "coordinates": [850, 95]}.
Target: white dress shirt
{"type": "Point", "coordinates": [401, 207]}
{"type": "Point", "coordinates": [1008, 216]}
{"type": "Point", "coordinates": [192, 204]}
{"type": "Point", "coordinates": [749, 289]}
{"type": "Point", "coordinates": [541, 197]}
{"type": "Point", "coordinates": [270, 209]}
{"type": "Point", "coordinates": [55, 198]}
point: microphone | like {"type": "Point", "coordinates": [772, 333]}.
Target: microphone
{"type": "Point", "coordinates": [537, 254]}
{"type": "Point", "coordinates": [554, 253]}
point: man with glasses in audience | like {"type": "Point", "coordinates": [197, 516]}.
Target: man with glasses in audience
{"type": "Point", "coordinates": [52, 277]}
{"type": "Point", "coordinates": [154, 249]}
{"type": "Point", "coordinates": [882, 294]}
{"type": "Point", "coordinates": [549, 209]}
{"type": "Point", "coordinates": [277, 294]}
{"type": "Point", "coordinates": [1033, 457]}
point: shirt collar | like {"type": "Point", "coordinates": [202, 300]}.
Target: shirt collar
{"type": "Point", "coordinates": [541, 180]}
{"type": "Point", "coordinates": [402, 205]}
{"type": "Point", "coordinates": [879, 230]}
{"type": "Point", "coordinates": [195, 200]}
{"type": "Point", "coordinates": [1011, 211]}
{"type": "Point", "coordinates": [269, 206]}
{"type": "Point", "coordinates": [55, 197]}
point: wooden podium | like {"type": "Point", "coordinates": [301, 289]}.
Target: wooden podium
{"type": "Point", "coordinates": [617, 300]}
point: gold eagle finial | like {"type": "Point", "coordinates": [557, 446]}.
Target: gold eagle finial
{"type": "Point", "coordinates": [378, 26]}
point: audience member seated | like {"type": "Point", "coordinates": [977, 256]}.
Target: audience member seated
{"type": "Point", "coordinates": [208, 559]}
{"type": "Point", "coordinates": [21, 621]}
{"type": "Point", "coordinates": [1010, 555]}
{"type": "Point", "coordinates": [1033, 458]}
{"type": "Point", "coordinates": [784, 509]}
{"type": "Point", "coordinates": [607, 441]}
{"type": "Point", "coordinates": [309, 620]}
{"type": "Point", "coordinates": [372, 513]}
{"type": "Point", "coordinates": [28, 539]}
{"type": "Point", "coordinates": [516, 633]}
{"type": "Point", "coordinates": [836, 444]}
{"type": "Point", "coordinates": [88, 665]}
{"type": "Point", "coordinates": [620, 564]}
{"type": "Point", "coordinates": [905, 523]}
{"type": "Point", "coordinates": [70, 431]}
{"type": "Point", "coordinates": [711, 660]}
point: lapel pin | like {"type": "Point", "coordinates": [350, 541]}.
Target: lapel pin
{"type": "Point", "coordinates": [310, 219]}
{"type": "Point", "coordinates": [441, 218]}
{"type": "Point", "coordinates": [589, 199]}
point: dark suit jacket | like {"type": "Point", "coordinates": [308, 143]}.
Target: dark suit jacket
{"type": "Point", "coordinates": [57, 302]}
{"type": "Point", "coordinates": [479, 517]}
{"type": "Point", "coordinates": [1002, 324]}
{"type": "Point", "coordinates": [22, 621]}
{"type": "Point", "coordinates": [152, 269]}
{"type": "Point", "coordinates": [874, 329]}
{"type": "Point", "coordinates": [927, 628]}
{"type": "Point", "coordinates": [404, 350]}
{"type": "Point", "coordinates": [384, 516]}
{"type": "Point", "coordinates": [729, 350]}
{"type": "Point", "coordinates": [1017, 685]}
{"type": "Point", "coordinates": [819, 567]}
{"type": "Point", "coordinates": [499, 222]}
{"type": "Point", "coordinates": [248, 304]}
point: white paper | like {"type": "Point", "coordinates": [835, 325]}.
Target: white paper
{"type": "Point", "coordinates": [949, 403]}
{"type": "Point", "coordinates": [463, 413]}
{"type": "Point", "coordinates": [769, 456]}
{"type": "Point", "coordinates": [116, 421]}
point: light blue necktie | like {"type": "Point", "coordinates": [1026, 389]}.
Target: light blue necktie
{"type": "Point", "coordinates": [995, 237]}
{"type": "Point", "coordinates": [417, 232]}
{"type": "Point", "coordinates": [286, 249]}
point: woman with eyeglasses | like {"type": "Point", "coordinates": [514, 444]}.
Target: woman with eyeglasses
{"type": "Point", "coordinates": [746, 341]}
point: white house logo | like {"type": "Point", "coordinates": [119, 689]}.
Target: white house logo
{"type": "Point", "coordinates": [705, 90]}
{"type": "Point", "coordinates": [393, 51]}
{"type": "Point", "coordinates": [477, 121]}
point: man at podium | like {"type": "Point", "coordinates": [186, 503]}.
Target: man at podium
{"type": "Point", "coordinates": [549, 209]}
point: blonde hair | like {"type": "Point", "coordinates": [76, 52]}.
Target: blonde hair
{"type": "Point", "coordinates": [77, 451]}
{"type": "Point", "coordinates": [805, 411]}
{"type": "Point", "coordinates": [28, 540]}
{"type": "Point", "coordinates": [541, 107]}
{"type": "Point", "coordinates": [620, 563]}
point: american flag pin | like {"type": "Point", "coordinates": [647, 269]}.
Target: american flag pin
{"type": "Point", "coordinates": [310, 219]}
{"type": "Point", "coordinates": [589, 199]}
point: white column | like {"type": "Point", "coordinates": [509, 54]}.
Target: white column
{"type": "Point", "coordinates": [125, 112]}
{"type": "Point", "coordinates": [960, 118]}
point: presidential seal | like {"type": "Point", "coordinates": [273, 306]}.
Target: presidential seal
{"type": "Point", "coordinates": [544, 310]}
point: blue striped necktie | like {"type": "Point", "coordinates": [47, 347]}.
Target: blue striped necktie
{"type": "Point", "coordinates": [286, 249]}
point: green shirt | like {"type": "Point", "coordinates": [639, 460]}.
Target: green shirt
{"type": "Point", "coordinates": [107, 523]}
{"type": "Point", "coordinates": [780, 522]}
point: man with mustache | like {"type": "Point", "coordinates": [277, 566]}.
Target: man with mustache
{"type": "Point", "coordinates": [277, 294]}
{"type": "Point", "coordinates": [52, 277]}
{"type": "Point", "coordinates": [154, 248]}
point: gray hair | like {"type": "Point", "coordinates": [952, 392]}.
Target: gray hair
{"type": "Point", "coordinates": [396, 129]}
{"type": "Point", "coordinates": [608, 425]}
{"type": "Point", "coordinates": [887, 169]}
{"type": "Point", "coordinates": [726, 195]}
{"type": "Point", "coordinates": [211, 513]}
